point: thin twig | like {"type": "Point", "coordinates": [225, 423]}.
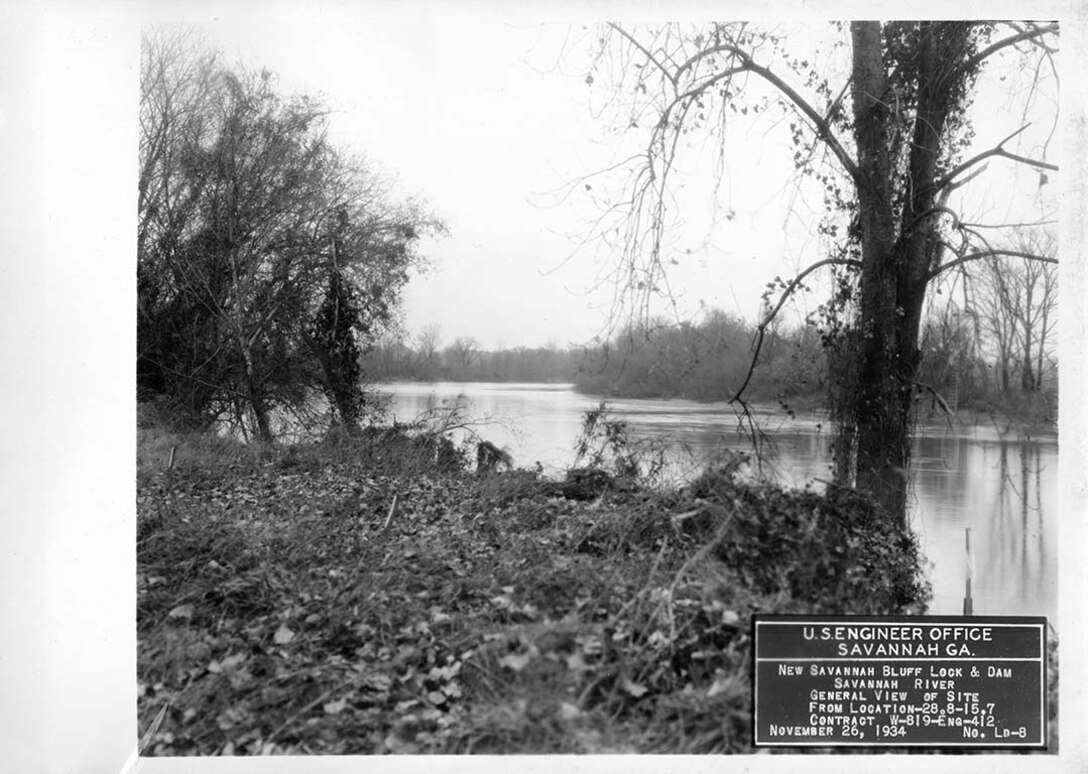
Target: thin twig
{"type": "Point", "coordinates": [937, 396]}
{"type": "Point", "coordinates": [145, 740]}
{"type": "Point", "coordinates": [778, 307]}
{"type": "Point", "coordinates": [694, 559]}
{"type": "Point", "coordinates": [392, 511]}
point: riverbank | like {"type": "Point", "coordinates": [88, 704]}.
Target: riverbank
{"type": "Point", "coordinates": [373, 596]}
{"type": "Point", "coordinates": [1032, 415]}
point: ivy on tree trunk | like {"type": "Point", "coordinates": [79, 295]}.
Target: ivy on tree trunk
{"type": "Point", "coordinates": [333, 339]}
{"type": "Point", "coordinates": [884, 146]}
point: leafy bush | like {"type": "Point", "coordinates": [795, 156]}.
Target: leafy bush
{"type": "Point", "coordinates": [834, 552]}
{"type": "Point", "coordinates": [606, 455]}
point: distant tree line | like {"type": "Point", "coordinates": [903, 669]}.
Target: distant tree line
{"type": "Point", "coordinates": [701, 361]}
{"type": "Point", "coordinates": [268, 260]}
{"type": "Point", "coordinates": [987, 344]}
{"type": "Point", "coordinates": [705, 361]}
{"type": "Point", "coordinates": [425, 358]}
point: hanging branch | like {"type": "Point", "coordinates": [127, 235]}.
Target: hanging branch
{"type": "Point", "coordinates": [769, 317]}
{"type": "Point", "coordinates": [748, 64]}
{"type": "Point", "coordinates": [936, 396]}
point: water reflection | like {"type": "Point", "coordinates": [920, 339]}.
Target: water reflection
{"type": "Point", "coordinates": [987, 478]}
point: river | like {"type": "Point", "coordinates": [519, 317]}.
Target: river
{"type": "Point", "coordinates": [998, 482]}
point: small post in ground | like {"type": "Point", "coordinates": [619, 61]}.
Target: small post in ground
{"type": "Point", "coordinates": [968, 603]}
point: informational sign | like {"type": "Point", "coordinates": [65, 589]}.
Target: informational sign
{"type": "Point", "coordinates": [902, 681]}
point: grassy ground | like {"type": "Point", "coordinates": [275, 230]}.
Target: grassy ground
{"type": "Point", "coordinates": [369, 596]}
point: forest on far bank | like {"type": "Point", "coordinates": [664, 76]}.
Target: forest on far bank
{"type": "Point", "coordinates": [995, 356]}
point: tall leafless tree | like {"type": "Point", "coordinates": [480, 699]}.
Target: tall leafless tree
{"type": "Point", "coordinates": [428, 341]}
{"type": "Point", "coordinates": [885, 141]}
{"type": "Point", "coordinates": [1017, 304]}
{"type": "Point", "coordinates": [462, 353]}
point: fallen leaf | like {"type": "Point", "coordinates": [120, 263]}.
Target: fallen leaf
{"type": "Point", "coordinates": [515, 661]}
{"type": "Point", "coordinates": [633, 688]}
{"type": "Point", "coordinates": [530, 611]}
{"type": "Point", "coordinates": [378, 682]}
{"type": "Point", "coordinates": [283, 635]}
{"type": "Point", "coordinates": [233, 661]}
{"type": "Point", "coordinates": [720, 685]}
{"type": "Point", "coordinates": [568, 711]}
{"type": "Point", "coordinates": [335, 707]}
{"type": "Point", "coordinates": [576, 662]}
{"type": "Point", "coordinates": [181, 611]}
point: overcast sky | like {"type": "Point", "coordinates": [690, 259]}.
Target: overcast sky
{"type": "Point", "coordinates": [492, 123]}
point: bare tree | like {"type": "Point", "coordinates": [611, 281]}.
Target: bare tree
{"type": "Point", "coordinates": [428, 341]}
{"type": "Point", "coordinates": [950, 347]}
{"type": "Point", "coordinates": [1017, 303]}
{"type": "Point", "coordinates": [462, 354]}
{"type": "Point", "coordinates": [884, 142]}
{"type": "Point", "coordinates": [264, 255]}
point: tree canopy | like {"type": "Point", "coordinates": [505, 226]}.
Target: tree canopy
{"type": "Point", "coordinates": [267, 258]}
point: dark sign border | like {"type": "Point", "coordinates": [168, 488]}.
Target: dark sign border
{"type": "Point", "coordinates": [1031, 621]}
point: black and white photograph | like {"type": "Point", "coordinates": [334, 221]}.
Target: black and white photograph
{"type": "Point", "coordinates": [430, 383]}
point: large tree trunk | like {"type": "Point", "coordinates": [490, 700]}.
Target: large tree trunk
{"type": "Point", "coordinates": [257, 403]}
{"type": "Point", "coordinates": [1027, 378]}
{"type": "Point", "coordinates": [896, 257]}
{"type": "Point", "coordinates": [874, 408]}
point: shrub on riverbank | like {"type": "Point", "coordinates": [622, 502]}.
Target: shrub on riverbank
{"type": "Point", "coordinates": [286, 604]}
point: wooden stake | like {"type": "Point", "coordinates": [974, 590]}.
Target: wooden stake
{"type": "Point", "coordinates": [968, 603]}
{"type": "Point", "coordinates": [170, 464]}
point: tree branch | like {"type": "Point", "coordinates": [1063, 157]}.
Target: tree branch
{"type": "Point", "coordinates": [1035, 42]}
{"type": "Point", "coordinates": [646, 52]}
{"type": "Point", "coordinates": [696, 90]}
{"type": "Point", "coordinates": [823, 127]}
{"type": "Point", "coordinates": [937, 396]}
{"type": "Point", "coordinates": [933, 211]}
{"type": "Point", "coordinates": [997, 150]}
{"type": "Point", "coordinates": [992, 49]}
{"type": "Point", "coordinates": [988, 254]}
{"type": "Point", "coordinates": [769, 317]}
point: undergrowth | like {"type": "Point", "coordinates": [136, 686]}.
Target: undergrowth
{"type": "Point", "coordinates": [368, 595]}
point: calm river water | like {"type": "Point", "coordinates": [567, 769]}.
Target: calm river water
{"type": "Point", "coordinates": [1000, 484]}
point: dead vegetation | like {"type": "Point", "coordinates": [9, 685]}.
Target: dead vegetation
{"type": "Point", "coordinates": [285, 605]}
